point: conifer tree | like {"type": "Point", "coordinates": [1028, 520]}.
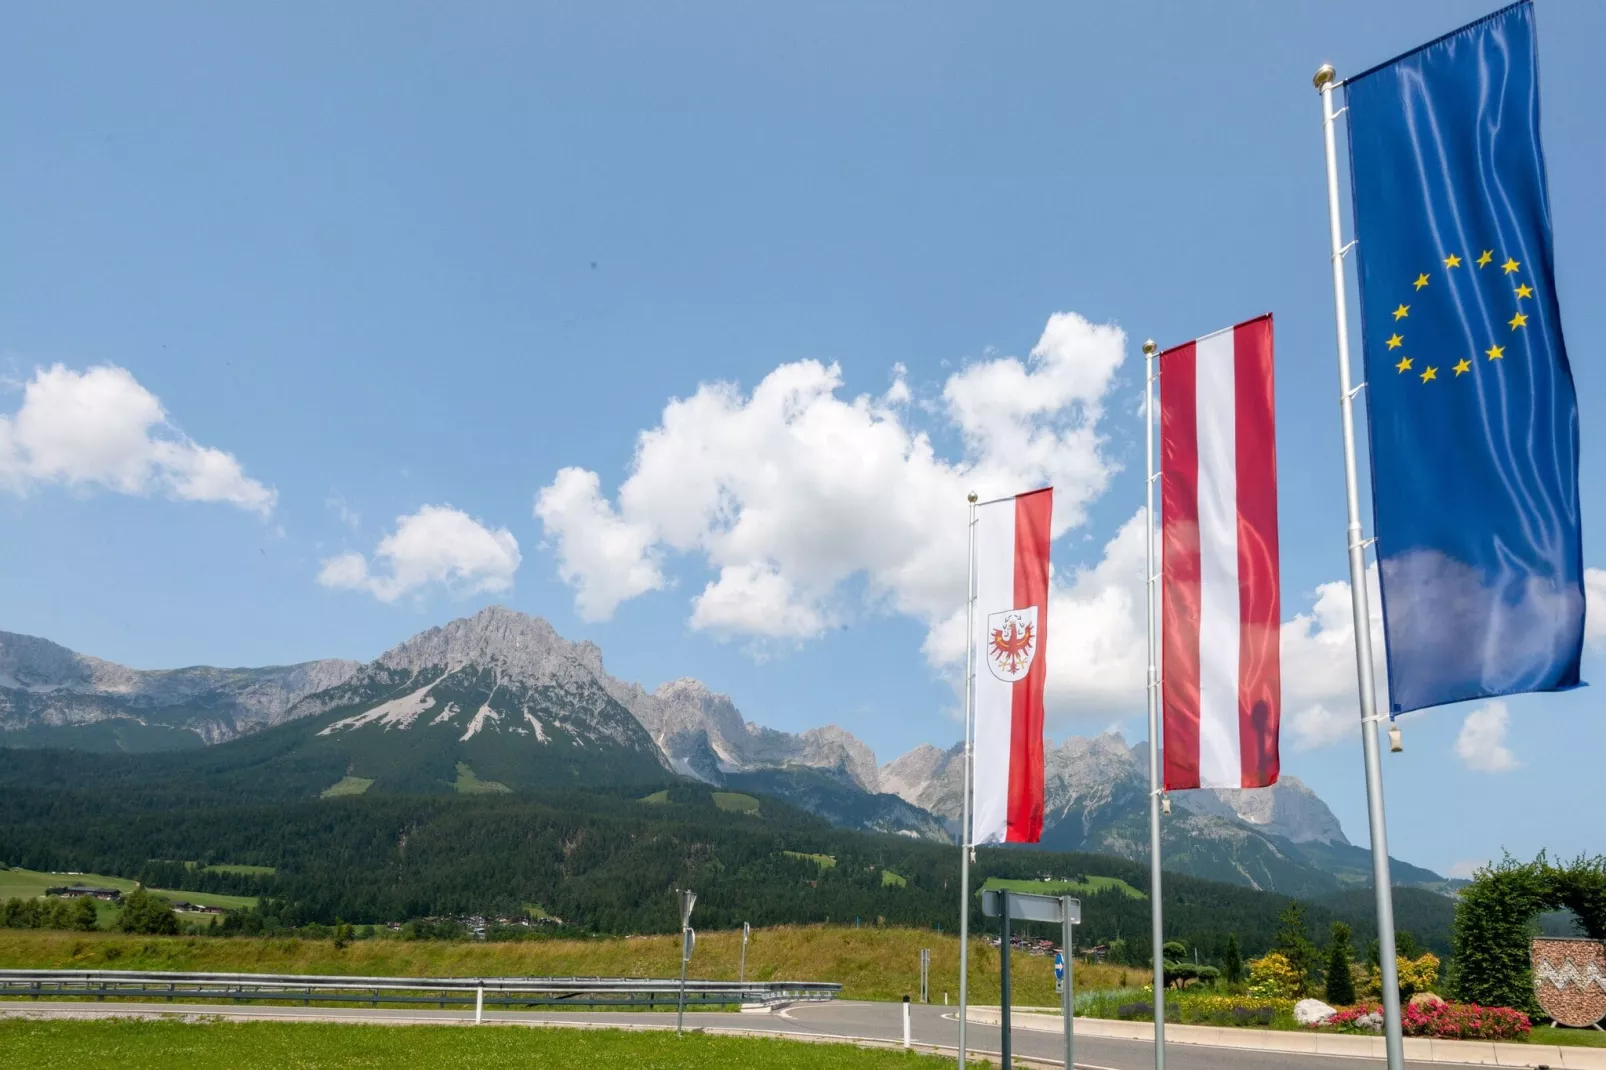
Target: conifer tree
{"type": "Point", "coordinates": [1232, 962]}
{"type": "Point", "coordinates": [1340, 984]}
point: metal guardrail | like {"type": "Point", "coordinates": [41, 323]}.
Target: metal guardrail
{"type": "Point", "coordinates": [514, 992]}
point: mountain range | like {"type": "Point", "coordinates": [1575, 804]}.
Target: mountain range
{"type": "Point", "coordinates": [501, 702]}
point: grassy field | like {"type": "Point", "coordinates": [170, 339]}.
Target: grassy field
{"type": "Point", "coordinates": [1088, 887]}
{"type": "Point", "coordinates": [869, 963]}
{"type": "Point", "coordinates": [133, 1045]}
{"type": "Point", "coordinates": [823, 861]}
{"type": "Point", "coordinates": [735, 802]}
{"type": "Point", "coordinates": [28, 884]}
{"type": "Point", "coordinates": [243, 871]}
{"type": "Point", "coordinates": [347, 785]}
{"type": "Point", "coordinates": [469, 784]}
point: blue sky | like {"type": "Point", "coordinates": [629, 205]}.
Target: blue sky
{"type": "Point", "coordinates": [374, 277]}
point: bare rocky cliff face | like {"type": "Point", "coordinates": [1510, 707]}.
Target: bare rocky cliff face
{"type": "Point", "coordinates": [703, 734]}
{"type": "Point", "coordinates": [46, 686]}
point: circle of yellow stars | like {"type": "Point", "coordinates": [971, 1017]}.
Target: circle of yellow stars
{"type": "Point", "coordinates": [1521, 292]}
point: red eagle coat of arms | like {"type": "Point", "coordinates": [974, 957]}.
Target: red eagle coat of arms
{"type": "Point", "coordinates": [1012, 643]}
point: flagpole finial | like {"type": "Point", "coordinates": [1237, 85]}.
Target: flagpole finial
{"type": "Point", "coordinates": [1324, 74]}
{"type": "Point", "coordinates": [1149, 348]}
{"type": "Point", "coordinates": [971, 497]}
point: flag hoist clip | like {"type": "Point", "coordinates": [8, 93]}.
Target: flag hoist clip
{"type": "Point", "coordinates": [1396, 738]}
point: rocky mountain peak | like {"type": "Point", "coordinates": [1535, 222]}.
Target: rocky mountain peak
{"type": "Point", "coordinates": [525, 648]}
{"type": "Point", "coordinates": [834, 747]}
{"type": "Point", "coordinates": [1289, 809]}
{"type": "Point", "coordinates": [36, 664]}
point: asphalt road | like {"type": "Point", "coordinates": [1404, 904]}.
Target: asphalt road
{"type": "Point", "coordinates": [845, 1019]}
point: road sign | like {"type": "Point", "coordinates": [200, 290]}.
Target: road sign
{"type": "Point", "coordinates": [1059, 971]}
{"type": "Point", "coordinates": [688, 943]}
{"type": "Point", "coordinates": [1024, 906]}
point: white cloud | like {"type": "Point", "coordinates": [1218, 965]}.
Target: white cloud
{"type": "Point", "coordinates": [1464, 869]}
{"type": "Point", "coordinates": [791, 491]}
{"type": "Point", "coordinates": [1595, 607]}
{"type": "Point", "coordinates": [102, 428]}
{"type": "Point", "coordinates": [755, 600]}
{"type": "Point", "coordinates": [1481, 746]}
{"type": "Point", "coordinates": [607, 560]}
{"type": "Point", "coordinates": [436, 545]}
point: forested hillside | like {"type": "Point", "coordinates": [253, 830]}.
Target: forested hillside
{"type": "Point", "coordinates": [603, 861]}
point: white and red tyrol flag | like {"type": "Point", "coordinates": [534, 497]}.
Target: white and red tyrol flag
{"type": "Point", "coordinates": [1011, 621]}
{"type": "Point", "coordinates": [1220, 601]}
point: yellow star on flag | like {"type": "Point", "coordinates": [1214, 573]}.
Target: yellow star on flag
{"type": "Point", "coordinates": [1421, 281]}
{"type": "Point", "coordinates": [1452, 261]}
{"type": "Point", "coordinates": [1510, 266]}
{"type": "Point", "coordinates": [1402, 312]}
{"type": "Point", "coordinates": [1487, 258]}
{"type": "Point", "coordinates": [1524, 290]}
{"type": "Point", "coordinates": [1404, 365]}
{"type": "Point", "coordinates": [1396, 342]}
{"type": "Point", "coordinates": [1496, 352]}
{"type": "Point", "coordinates": [1519, 320]}
{"type": "Point", "coordinates": [1431, 373]}
{"type": "Point", "coordinates": [1464, 366]}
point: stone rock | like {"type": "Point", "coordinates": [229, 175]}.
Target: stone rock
{"type": "Point", "coordinates": [1426, 999]}
{"type": "Point", "coordinates": [1312, 1012]}
{"type": "Point", "coordinates": [1372, 1022]}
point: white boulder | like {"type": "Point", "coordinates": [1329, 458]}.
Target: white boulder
{"type": "Point", "coordinates": [1312, 1012]}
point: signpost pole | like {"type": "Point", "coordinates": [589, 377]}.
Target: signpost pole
{"type": "Point", "coordinates": [687, 900]}
{"type": "Point", "coordinates": [1068, 997]}
{"type": "Point", "coordinates": [1003, 976]}
{"type": "Point", "coordinates": [741, 973]}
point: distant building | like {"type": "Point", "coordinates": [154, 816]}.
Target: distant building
{"type": "Point", "coordinates": [78, 891]}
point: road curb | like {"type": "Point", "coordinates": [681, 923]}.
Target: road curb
{"type": "Point", "coordinates": [1417, 1049]}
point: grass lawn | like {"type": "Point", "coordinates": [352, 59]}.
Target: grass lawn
{"type": "Point", "coordinates": [28, 884]}
{"type": "Point", "coordinates": [657, 798]}
{"type": "Point", "coordinates": [869, 963]}
{"type": "Point", "coordinates": [894, 880]}
{"type": "Point", "coordinates": [1573, 1038]}
{"type": "Point", "coordinates": [735, 803]}
{"type": "Point", "coordinates": [1088, 887]}
{"type": "Point", "coordinates": [132, 1045]}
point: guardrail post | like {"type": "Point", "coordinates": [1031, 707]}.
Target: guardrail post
{"type": "Point", "coordinates": [906, 1038]}
{"type": "Point", "coordinates": [479, 1004]}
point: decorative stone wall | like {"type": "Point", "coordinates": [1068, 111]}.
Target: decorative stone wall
{"type": "Point", "coordinates": [1570, 980]}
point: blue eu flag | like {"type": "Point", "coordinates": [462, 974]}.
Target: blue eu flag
{"type": "Point", "coordinates": [1474, 421]}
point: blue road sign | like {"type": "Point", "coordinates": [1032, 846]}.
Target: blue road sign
{"type": "Point", "coordinates": [1059, 965]}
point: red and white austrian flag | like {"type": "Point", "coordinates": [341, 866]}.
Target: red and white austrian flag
{"type": "Point", "coordinates": [1220, 596]}
{"type": "Point", "coordinates": [1012, 536]}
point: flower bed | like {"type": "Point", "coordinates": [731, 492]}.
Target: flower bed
{"type": "Point", "coordinates": [1188, 1008]}
{"type": "Point", "coordinates": [1448, 1021]}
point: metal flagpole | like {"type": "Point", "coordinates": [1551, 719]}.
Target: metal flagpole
{"type": "Point", "coordinates": [1150, 363]}
{"type": "Point", "coordinates": [964, 819]}
{"type": "Point", "coordinates": [1381, 883]}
